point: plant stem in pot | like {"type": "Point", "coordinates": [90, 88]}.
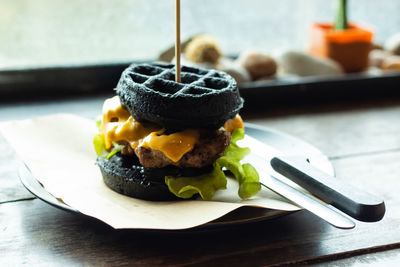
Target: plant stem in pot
{"type": "Point", "coordinates": [341, 16]}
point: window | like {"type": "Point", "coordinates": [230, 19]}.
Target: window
{"type": "Point", "coordinates": [58, 32]}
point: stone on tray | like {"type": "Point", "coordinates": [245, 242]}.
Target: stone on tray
{"type": "Point", "coordinates": [392, 44]}
{"type": "Point", "coordinates": [257, 64]}
{"type": "Point", "coordinates": [202, 49]}
{"type": "Point", "coordinates": [303, 64]}
{"type": "Point", "coordinates": [391, 63]}
{"type": "Point", "coordinates": [377, 56]}
{"type": "Point", "coordinates": [229, 66]}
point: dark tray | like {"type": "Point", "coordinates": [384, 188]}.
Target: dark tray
{"type": "Point", "coordinates": [86, 79]}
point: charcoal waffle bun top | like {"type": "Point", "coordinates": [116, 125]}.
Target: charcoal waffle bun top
{"type": "Point", "coordinates": [203, 99]}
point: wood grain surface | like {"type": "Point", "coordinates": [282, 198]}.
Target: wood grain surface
{"type": "Point", "coordinates": [363, 142]}
{"type": "Point", "coordinates": [11, 188]}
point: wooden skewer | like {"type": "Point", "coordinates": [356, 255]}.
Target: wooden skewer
{"type": "Point", "coordinates": [178, 41]}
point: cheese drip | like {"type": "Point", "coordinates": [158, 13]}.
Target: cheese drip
{"type": "Point", "coordinates": [118, 125]}
{"type": "Point", "coordinates": [175, 145]}
{"type": "Point", "coordinates": [235, 123]}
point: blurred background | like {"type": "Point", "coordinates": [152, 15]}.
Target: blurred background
{"type": "Point", "coordinates": [59, 32]}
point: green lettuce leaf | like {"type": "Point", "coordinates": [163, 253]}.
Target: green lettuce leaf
{"type": "Point", "coordinates": [207, 184]}
{"type": "Point", "coordinates": [100, 147]}
{"type": "Point", "coordinates": [250, 184]}
{"type": "Point", "coordinates": [98, 123]}
{"type": "Point", "coordinates": [246, 174]}
{"type": "Point", "coordinates": [115, 149]}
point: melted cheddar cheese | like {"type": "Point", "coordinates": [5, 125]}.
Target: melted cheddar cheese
{"type": "Point", "coordinates": [175, 145]}
{"type": "Point", "coordinates": [235, 123]}
{"type": "Point", "coordinates": [118, 125]}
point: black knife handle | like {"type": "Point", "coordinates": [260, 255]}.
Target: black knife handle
{"type": "Point", "coordinates": [352, 201]}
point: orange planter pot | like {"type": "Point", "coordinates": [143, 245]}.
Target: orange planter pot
{"type": "Point", "coordinates": [349, 47]}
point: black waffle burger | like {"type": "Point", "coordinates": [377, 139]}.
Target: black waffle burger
{"type": "Point", "coordinates": [161, 140]}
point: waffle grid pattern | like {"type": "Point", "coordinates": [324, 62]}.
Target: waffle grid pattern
{"type": "Point", "coordinates": [161, 78]}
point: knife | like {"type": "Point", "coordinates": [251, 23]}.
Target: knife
{"type": "Point", "coordinates": [356, 203]}
{"type": "Point", "coordinates": [299, 198]}
{"type": "Point", "coordinates": [297, 168]}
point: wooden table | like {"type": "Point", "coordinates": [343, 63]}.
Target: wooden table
{"type": "Point", "coordinates": [362, 141]}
